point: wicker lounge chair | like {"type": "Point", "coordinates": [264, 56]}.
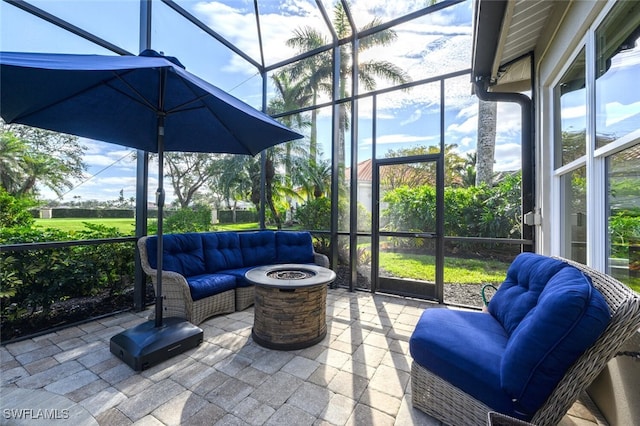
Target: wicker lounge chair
{"type": "Point", "coordinates": [450, 405]}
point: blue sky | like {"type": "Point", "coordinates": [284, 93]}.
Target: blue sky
{"type": "Point", "coordinates": [425, 47]}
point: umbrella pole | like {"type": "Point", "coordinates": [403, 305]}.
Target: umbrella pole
{"type": "Point", "coordinates": [152, 342]}
{"type": "Point", "coordinates": [160, 203]}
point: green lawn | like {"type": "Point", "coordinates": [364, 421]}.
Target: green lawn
{"type": "Point", "coordinates": [237, 226]}
{"type": "Point", "coordinates": [456, 270]}
{"type": "Point", "coordinates": [126, 226]}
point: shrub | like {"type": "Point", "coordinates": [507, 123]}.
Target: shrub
{"type": "Point", "coordinates": [35, 279]}
{"type": "Point", "coordinates": [14, 211]}
{"type": "Point", "coordinates": [196, 219]}
{"type": "Point", "coordinates": [315, 214]}
{"type": "Point", "coordinates": [470, 212]}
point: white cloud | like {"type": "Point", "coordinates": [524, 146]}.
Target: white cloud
{"type": "Point", "coordinates": [507, 156]}
{"type": "Point", "coordinates": [574, 112]}
{"type": "Point", "coordinates": [471, 110]}
{"type": "Point", "coordinates": [399, 139]}
{"type": "Point", "coordinates": [239, 27]}
{"type": "Point", "coordinates": [415, 116]}
{"type": "Point", "coordinates": [470, 125]}
{"type": "Point", "coordinates": [467, 143]}
{"type": "Point", "coordinates": [617, 112]}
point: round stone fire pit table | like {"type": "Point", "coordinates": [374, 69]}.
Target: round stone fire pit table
{"type": "Point", "coordinates": [290, 306]}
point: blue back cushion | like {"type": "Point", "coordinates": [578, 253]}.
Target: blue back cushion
{"type": "Point", "coordinates": [221, 251]}
{"type": "Point", "coordinates": [182, 253]}
{"type": "Point", "coordinates": [258, 248]}
{"type": "Point", "coordinates": [294, 247]}
{"type": "Point", "coordinates": [568, 318]}
{"type": "Point", "coordinates": [518, 294]}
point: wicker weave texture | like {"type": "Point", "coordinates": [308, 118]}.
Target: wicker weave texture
{"type": "Point", "coordinates": [448, 404]}
{"type": "Point", "coordinates": [221, 303]}
{"type": "Point", "coordinates": [443, 401]}
{"type": "Point", "coordinates": [498, 419]}
{"type": "Point", "coordinates": [624, 305]}
{"type": "Point", "coordinates": [245, 297]}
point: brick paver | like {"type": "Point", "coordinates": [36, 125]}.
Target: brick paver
{"type": "Point", "coordinates": [358, 375]}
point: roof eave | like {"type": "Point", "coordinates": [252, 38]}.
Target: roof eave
{"type": "Point", "coordinates": [488, 17]}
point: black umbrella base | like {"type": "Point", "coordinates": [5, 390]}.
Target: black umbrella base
{"type": "Point", "coordinates": [146, 345]}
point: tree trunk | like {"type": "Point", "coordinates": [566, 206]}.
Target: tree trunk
{"type": "Point", "coordinates": [487, 112]}
{"type": "Point", "coordinates": [270, 174]}
{"type": "Point", "coordinates": [313, 138]}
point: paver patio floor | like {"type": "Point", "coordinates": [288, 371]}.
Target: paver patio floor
{"type": "Point", "coordinates": [358, 375]}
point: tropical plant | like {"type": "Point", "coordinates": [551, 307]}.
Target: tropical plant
{"type": "Point", "coordinates": [14, 211]}
{"type": "Point", "coordinates": [317, 70]}
{"type": "Point", "coordinates": [31, 156]}
{"type": "Point", "coordinates": [481, 211]}
{"type": "Point", "coordinates": [33, 280]}
{"type": "Point", "coordinates": [233, 181]}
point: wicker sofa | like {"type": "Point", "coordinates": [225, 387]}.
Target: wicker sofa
{"type": "Point", "coordinates": [203, 273]}
{"type": "Point", "coordinates": [551, 328]}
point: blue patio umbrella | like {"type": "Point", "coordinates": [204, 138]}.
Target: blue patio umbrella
{"type": "Point", "coordinates": [149, 102]}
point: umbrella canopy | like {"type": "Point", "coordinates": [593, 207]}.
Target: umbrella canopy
{"type": "Point", "coordinates": [148, 102]}
{"type": "Point", "coordinates": [118, 99]}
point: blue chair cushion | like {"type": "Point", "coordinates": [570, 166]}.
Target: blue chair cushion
{"type": "Point", "coordinates": [518, 294]}
{"type": "Point", "coordinates": [182, 253]}
{"type": "Point", "coordinates": [241, 281]}
{"type": "Point", "coordinates": [569, 316]}
{"type": "Point", "coordinates": [206, 285]}
{"type": "Point", "coordinates": [221, 251]}
{"type": "Point", "coordinates": [464, 348]}
{"type": "Point", "coordinates": [294, 247]}
{"type": "Point", "coordinates": [258, 248]}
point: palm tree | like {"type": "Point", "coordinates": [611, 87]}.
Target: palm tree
{"type": "Point", "coordinates": [468, 172]}
{"type": "Point", "coordinates": [12, 152]}
{"type": "Point", "coordinates": [291, 96]}
{"type": "Point", "coordinates": [233, 180]}
{"type": "Point", "coordinates": [318, 69]}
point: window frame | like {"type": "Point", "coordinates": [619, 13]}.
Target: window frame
{"type": "Point", "coordinates": [595, 160]}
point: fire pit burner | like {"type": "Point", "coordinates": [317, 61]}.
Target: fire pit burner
{"type": "Point", "coordinates": [290, 274]}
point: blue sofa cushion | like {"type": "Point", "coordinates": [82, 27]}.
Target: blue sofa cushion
{"type": "Point", "coordinates": [568, 318]}
{"type": "Point", "coordinates": [258, 248]}
{"type": "Point", "coordinates": [518, 294]}
{"type": "Point", "coordinates": [294, 247]}
{"type": "Point", "coordinates": [467, 355]}
{"type": "Point", "coordinates": [206, 285]}
{"type": "Point", "coordinates": [182, 253]}
{"type": "Point", "coordinates": [221, 251]}
{"type": "Point", "coordinates": [241, 281]}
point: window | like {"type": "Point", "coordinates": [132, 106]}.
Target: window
{"type": "Point", "coordinates": [597, 147]}
{"type": "Point", "coordinates": [571, 101]}
{"type": "Point", "coordinates": [623, 177]}
{"type": "Point", "coordinates": [617, 70]}
{"type": "Point", "coordinates": [574, 215]}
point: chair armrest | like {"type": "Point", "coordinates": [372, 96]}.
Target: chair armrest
{"type": "Point", "coordinates": [320, 259]}
{"type": "Point", "coordinates": [171, 281]}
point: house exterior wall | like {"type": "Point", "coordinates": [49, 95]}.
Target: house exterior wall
{"type": "Point", "coordinates": [572, 27]}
